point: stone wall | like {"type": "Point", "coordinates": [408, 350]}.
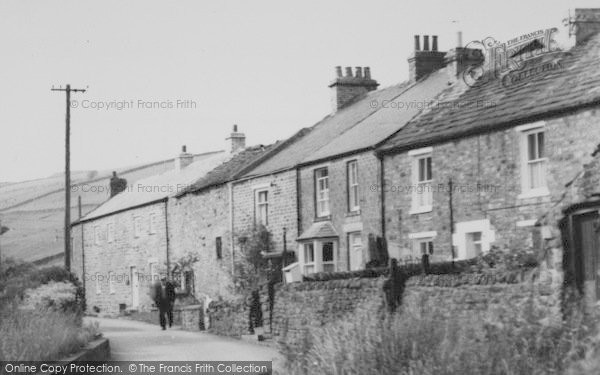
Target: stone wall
{"type": "Point", "coordinates": [112, 259]}
{"type": "Point", "coordinates": [498, 298]}
{"type": "Point", "coordinates": [228, 318]}
{"type": "Point", "coordinates": [301, 306]}
{"type": "Point", "coordinates": [195, 222]}
{"type": "Point", "coordinates": [487, 182]}
{"type": "Point", "coordinates": [192, 317]}
{"type": "Point", "coordinates": [366, 221]}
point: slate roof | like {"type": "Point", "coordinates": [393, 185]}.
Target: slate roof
{"type": "Point", "coordinates": [230, 169]}
{"type": "Point", "coordinates": [160, 187]}
{"type": "Point", "coordinates": [575, 84]}
{"type": "Point", "coordinates": [320, 229]}
{"type": "Point", "coordinates": [326, 130]}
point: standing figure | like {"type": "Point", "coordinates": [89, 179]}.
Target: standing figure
{"type": "Point", "coordinates": [164, 298]}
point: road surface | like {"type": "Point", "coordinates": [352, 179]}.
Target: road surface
{"type": "Point", "coordinates": [136, 341]}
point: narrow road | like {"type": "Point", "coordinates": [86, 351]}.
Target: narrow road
{"type": "Point", "coordinates": [136, 341]}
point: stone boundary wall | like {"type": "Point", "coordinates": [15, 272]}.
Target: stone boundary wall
{"type": "Point", "coordinates": [228, 318]}
{"type": "Point", "coordinates": [301, 306]}
{"type": "Point", "coordinates": [496, 297]}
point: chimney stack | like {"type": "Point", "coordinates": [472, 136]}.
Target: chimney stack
{"type": "Point", "coordinates": [587, 23]}
{"type": "Point", "coordinates": [238, 140]}
{"type": "Point", "coordinates": [184, 159]}
{"type": "Point", "coordinates": [117, 184]}
{"type": "Point", "coordinates": [424, 62]}
{"type": "Point", "coordinates": [345, 90]}
{"type": "Point", "coordinates": [460, 58]}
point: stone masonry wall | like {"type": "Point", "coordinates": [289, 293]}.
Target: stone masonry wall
{"type": "Point", "coordinates": [477, 296]}
{"type": "Point", "coordinates": [367, 220]}
{"type": "Point", "coordinates": [281, 209]}
{"type": "Point", "coordinates": [486, 175]}
{"type": "Point", "coordinates": [117, 256]}
{"type": "Point", "coordinates": [300, 306]}
{"type": "Point", "coordinates": [195, 222]}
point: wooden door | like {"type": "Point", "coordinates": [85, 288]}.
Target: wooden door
{"type": "Point", "coordinates": [585, 238]}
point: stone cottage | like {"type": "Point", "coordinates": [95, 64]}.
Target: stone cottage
{"type": "Point", "coordinates": [488, 157]}
{"type": "Point", "coordinates": [125, 240]}
{"type": "Point", "coordinates": [201, 224]}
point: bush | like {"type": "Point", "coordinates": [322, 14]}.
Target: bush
{"type": "Point", "coordinates": [16, 277]}
{"type": "Point", "coordinates": [428, 342]}
{"type": "Point", "coordinates": [60, 296]}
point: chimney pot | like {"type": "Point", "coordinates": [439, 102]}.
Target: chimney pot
{"type": "Point", "coordinates": [434, 46]}
{"type": "Point", "coordinates": [338, 71]}
{"type": "Point", "coordinates": [358, 72]}
{"type": "Point", "coordinates": [367, 72]}
{"type": "Point", "coordinates": [183, 149]}
{"type": "Point", "coordinates": [417, 43]}
{"type": "Point", "coordinates": [459, 39]}
{"type": "Point", "coordinates": [235, 128]}
{"type": "Point", "coordinates": [348, 71]}
{"type": "Point", "coordinates": [425, 42]}
{"type": "Point", "coordinates": [114, 174]}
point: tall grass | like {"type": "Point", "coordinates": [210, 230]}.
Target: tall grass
{"type": "Point", "coordinates": [41, 334]}
{"type": "Point", "coordinates": [429, 342]}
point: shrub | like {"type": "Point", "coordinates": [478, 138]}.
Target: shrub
{"type": "Point", "coordinates": [60, 296]}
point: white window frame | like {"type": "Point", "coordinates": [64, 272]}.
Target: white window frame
{"type": "Point", "coordinates": [322, 202]}
{"type": "Point", "coordinates": [462, 229]}
{"type": "Point", "coordinates": [98, 284]}
{"type": "Point", "coordinates": [306, 264]}
{"type": "Point", "coordinates": [258, 205]}
{"type": "Point", "coordinates": [97, 236]}
{"type": "Point", "coordinates": [421, 201]}
{"type": "Point", "coordinates": [137, 226]}
{"type": "Point", "coordinates": [352, 186]}
{"type": "Point", "coordinates": [111, 284]}
{"type": "Point", "coordinates": [110, 232]}
{"type": "Point", "coordinates": [153, 268]}
{"type": "Point", "coordinates": [317, 263]}
{"type": "Point", "coordinates": [417, 239]}
{"type": "Point", "coordinates": [152, 223]}
{"type": "Point", "coordinates": [526, 190]}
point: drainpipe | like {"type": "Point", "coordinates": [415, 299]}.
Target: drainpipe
{"type": "Point", "coordinates": [167, 238]}
{"type": "Point", "coordinates": [298, 204]}
{"type": "Point", "coordinates": [231, 227]}
{"type": "Point", "coordinates": [451, 209]}
{"type": "Point", "coordinates": [382, 196]}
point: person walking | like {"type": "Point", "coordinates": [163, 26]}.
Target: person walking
{"type": "Point", "coordinates": [164, 298]}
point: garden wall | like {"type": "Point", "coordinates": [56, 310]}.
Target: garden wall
{"type": "Point", "coordinates": [502, 297]}
{"type": "Point", "coordinates": [228, 318]}
{"type": "Point", "coordinates": [301, 306]}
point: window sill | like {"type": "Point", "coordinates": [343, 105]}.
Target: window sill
{"type": "Point", "coordinates": [353, 213]}
{"type": "Point", "coordinates": [420, 210]}
{"type": "Point", "coordinates": [323, 218]}
{"type": "Point", "coordinates": [535, 193]}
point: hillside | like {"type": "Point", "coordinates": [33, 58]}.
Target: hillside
{"type": "Point", "coordinates": [34, 210]}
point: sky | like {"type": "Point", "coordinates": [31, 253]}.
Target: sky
{"type": "Point", "coordinates": [161, 74]}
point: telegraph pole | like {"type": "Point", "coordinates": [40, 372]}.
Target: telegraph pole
{"type": "Point", "coordinates": [67, 238]}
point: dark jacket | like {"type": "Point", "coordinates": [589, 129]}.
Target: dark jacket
{"type": "Point", "coordinates": [168, 298]}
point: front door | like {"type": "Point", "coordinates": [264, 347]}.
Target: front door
{"type": "Point", "coordinates": [135, 287]}
{"type": "Point", "coordinates": [355, 250]}
{"type": "Point", "coordinates": [585, 233]}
